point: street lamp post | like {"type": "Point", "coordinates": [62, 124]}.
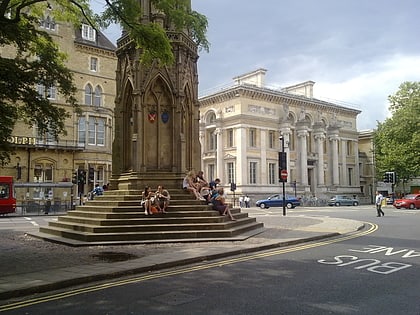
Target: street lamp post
{"type": "Point", "coordinates": [283, 172]}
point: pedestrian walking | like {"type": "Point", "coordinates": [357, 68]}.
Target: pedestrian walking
{"type": "Point", "coordinates": [378, 203]}
{"type": "Point", "coordinates": [247, 201]}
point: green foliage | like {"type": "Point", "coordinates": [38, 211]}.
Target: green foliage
{"type": "Point", "coordinates": [151, 37]}
{"type": "Point", "coordinates": [397, 139]}
{"type": "Point", "coordinates": [39, 61]}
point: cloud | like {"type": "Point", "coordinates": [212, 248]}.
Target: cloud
{"type": "Point", "coordinates": [357, 52]}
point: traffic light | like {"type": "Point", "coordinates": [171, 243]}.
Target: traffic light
{"type": "Point", "coordinates": [74, 178]}
{"type": "Point", "coordinates": [91, 175]}
{"type": "Point", "coordinates": [81, 177]}
{"type": "Point", "coordinates": [232, 186]}
{"type": "Point", "coordinates": [282, 165]}
{"type": "Point", "coordinates": [390, 177]}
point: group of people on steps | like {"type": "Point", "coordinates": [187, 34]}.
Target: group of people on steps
{"type": "Point", "coordinates": [158, 202]}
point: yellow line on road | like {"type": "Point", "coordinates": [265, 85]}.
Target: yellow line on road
{"type": "Point", "coordinates": [58, 296]}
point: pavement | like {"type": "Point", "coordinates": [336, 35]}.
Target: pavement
{"type": "Point", "coordinates": [31, 265]}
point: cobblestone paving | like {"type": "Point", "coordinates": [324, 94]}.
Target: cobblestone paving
{"type": "Point", "coordinates": [22, 253]}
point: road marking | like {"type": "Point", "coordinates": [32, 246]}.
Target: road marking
{"type": "Point", "coordinates": [161, 274]}
{"type": "Point", "coordinates": [31, 221]}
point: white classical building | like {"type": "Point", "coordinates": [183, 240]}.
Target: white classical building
{"type": "Point", "coordinates": [240, 131]}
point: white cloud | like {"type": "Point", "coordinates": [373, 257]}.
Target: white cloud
{"type": "Point", "coordinates": [369, 91]}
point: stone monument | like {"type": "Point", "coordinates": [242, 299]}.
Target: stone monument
{"type": "Point", "coordinates": [156, 113]}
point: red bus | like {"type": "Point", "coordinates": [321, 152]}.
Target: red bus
{"type": "Point", "coordinates": [7, 195]}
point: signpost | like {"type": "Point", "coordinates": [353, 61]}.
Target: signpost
{"type": "Point", "coordinates": [283, 175]}
{"type": "Point", "coordinates": [283, 171]}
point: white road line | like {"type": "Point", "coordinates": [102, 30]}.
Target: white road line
{"type": "Point", "coordinates": [31, 221]}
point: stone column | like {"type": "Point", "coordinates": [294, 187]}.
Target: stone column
{"type": "Point", "coordinates": [320, 138]}
{"type": "Point", "coordinates": [356, 164]}
{"type": "Point", "coordinates": [344, 173]}
{"type": "Point", "coordinates": [334, 158]}
{"type": "Point", "coordinates": [241, 167]}
{"type": "Point", "coordinates": [219, 152]}
{"type": "Point", "coordinates": [263, 157]}
{"type": "Point", "coordinates": [303, 156]}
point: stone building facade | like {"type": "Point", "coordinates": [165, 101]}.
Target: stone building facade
{"type": "Point", "coordinates": [88, 143]}
{"type": "Point", "coordinates": [240, 135]}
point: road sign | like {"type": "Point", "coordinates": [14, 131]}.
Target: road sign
{"type": "Point", "coordinates": [283, 174]}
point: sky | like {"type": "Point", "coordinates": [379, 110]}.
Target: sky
{"type": "Point", "coordinates": [358, 52]}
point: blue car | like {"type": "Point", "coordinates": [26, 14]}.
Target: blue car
{"type": "Point", "coordinates": [277, 201]}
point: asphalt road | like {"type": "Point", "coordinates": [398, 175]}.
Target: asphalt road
{"type": "Point", "coordinates": [377, 273]}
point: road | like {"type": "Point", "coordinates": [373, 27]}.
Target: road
{"type": "Point", "coordinates": [375, 273]}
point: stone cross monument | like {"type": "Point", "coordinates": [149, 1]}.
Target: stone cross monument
{"type": "Point", "coordinates": [156, 113]}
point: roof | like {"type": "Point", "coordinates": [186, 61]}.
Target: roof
{"type": "Point", "coordinates": [101, 40]}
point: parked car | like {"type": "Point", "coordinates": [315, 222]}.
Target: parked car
{"type": "Point", "coordinates": [341, 200]}
{"type": "Point", "coordinates": [277, 201]}
{"type": "Point", "coordinates": [390, 200]}
{"type": "Point", "coordinates": [411, 201]}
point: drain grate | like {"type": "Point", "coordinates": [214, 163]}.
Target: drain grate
{"type": "Point", "coordinates": [113, 256]}
{"type": "Point", "coordinates": [175, 298]}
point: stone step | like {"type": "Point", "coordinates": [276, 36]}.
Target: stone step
{"type": "Point", "coordinates": [117, 218]}
{"type": "Point", "coordinates": [136, 213]}
{"type": "Point", "coordinates": [153, 219]}
{"type": "Point", "coordinates": [150, 235]}
{"type": "Point", "coordinates": [91, 228]}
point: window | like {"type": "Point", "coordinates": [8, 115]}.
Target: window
{"type": "Point", "coordinates": [48, 24]}
{"type": "Point", "coordinates": [271, 173]}
{"type": "Point", "coordinates": [211, 172]}
{"type": "Point", "coordinates": [350, 175]}
{"type": "Point", "coordinates": [82, 130]}
{"type": "Point", "coordinates": [49, 93]}
{"type": "Point", "coordinates": [253, 172]}
{"type": "Point", "coordinates": [252, 137]}
{"type": "Point", "coordinates": [93, 64]}
{"type": "Point", "coordinates": [292, 140]}
{"type": "Point", "coordinates": [88, 94]}
{"type": "Point", "coordinates": [212, 140]}
{"type": "Point", "coordinates": [231, 172]}
{"type": "Point", "coordinates": [230, 142]}
{"type": "Point", "coordinates": [97, 101]}
{"type": "Point", "coordinates": [100, 135]}
{"type": "Point", "coordinates": [88, 32]}
{"type": "Point", "coordinates": [349, 147]}
{"type": "Point", "coordinates": [43, 172]}
{"type": "Point", "coordinates": [271, 139]}
{"type": "Point", "coordinates": [93, 98]}
{"type": "Point", "coordinates": [96, 131]}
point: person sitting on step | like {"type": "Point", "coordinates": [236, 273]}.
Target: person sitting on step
{"type": "Point", "coordinates": [162, 199]}
{"type": "Point", "coordinates": [188, 184]}
{"type": "Point", "coordinates": [219, 203]}
{"type": "Point", "coordinates": [148, 200]}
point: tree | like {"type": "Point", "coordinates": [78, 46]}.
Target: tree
{"type": "Point", "coordinates": [397, 139]}
{"type": "Point", "coordinates": [37, 61]}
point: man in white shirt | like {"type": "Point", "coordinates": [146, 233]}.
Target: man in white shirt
{"type": "Point", "coordinates": [378, 203]}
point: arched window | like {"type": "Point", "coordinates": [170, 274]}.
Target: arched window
{"type": "Point", "coordinates": [97, 101]}
{"type": "Point", "coordinates": [88, 94]}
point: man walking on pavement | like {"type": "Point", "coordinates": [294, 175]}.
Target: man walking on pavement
{"type": "Point", "coordinates": [378, 203]}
